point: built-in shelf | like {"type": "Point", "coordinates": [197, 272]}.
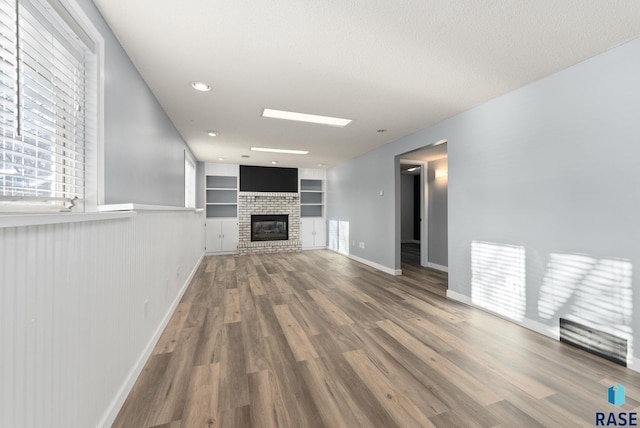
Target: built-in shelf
{"type": "Point", "coordinates": [221, 182]}
{"type": "Point", "coordinates": [220, 210]}
{"type": "Point", "coordinates": [221, 196]}
{"type": "Point", "coordinates": [311, 198]}
{"type": "Point", "coordinates": [307, 185]}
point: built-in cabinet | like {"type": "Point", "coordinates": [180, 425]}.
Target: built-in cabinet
{"type": "Point", "coordinates": [313, 224]}
{"type": "Point", "coordinates": [221, 206]}
{"type": "Point", "coordinates": [313, 232]}
{"type": "Point", "coordinates": [222, 235]}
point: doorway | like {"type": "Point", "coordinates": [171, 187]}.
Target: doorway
{"type": "Point", "coordinates": [411, 202]}
{"type": "Point", "coordinates": [423, 208]}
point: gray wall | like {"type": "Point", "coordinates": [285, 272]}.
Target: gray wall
{"type": "Point", "coordinates": [550, 168]}
{"type": "Point", "coordinates": [353, 195]}
{"type": "Point", "coordinates": [438, 245]}
{"type": "Point", "coordinates": [143, 152]}
{"type": "Point", "coordinates": [406, 209]}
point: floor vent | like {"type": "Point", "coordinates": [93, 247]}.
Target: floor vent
{"type": "Point", "coordinates": [597, 342]}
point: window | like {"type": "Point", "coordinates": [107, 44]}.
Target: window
{"type": "Point", "coordinates": [48, 84]}
{"type": "Point", "coordinates": [189, 181]}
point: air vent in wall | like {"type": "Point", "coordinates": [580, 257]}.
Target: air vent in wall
{"type": "Point", "coordinates": [597, 342]}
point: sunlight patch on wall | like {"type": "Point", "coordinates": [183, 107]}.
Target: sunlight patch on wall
{"type": "Point", "coordinates": [498, 278]}
{"type": "Point", "coordinates": [590, 291]}
{"type": "Point", "coordinates": [333, 235]}
{"type": "Point", "coordinates": [343, 237]}
{"type": "Point", "coordinates": [339, 236]}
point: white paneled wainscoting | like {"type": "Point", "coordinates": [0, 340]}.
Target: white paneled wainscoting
{"type": "Point", "coordinates": [81, 306]}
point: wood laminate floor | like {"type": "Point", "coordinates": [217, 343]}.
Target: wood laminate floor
{"type": "Point", "coordinates": [314, 339]}
{"type": "Point", "coordinates": [410, 253]}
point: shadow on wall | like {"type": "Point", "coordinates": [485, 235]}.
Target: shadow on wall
{"type": "Point", "coordinates": [339, 236]}
{"type": "Point", "coordinates": [594, 292]}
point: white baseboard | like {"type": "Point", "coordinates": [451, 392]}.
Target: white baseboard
{"type": "Point", "coordinates": [314, 248]}
{"type": "Point", "coordinates": [546, 330]}
{"type": "Point", "coordinates": [458, 297]}
{"type": "Point", "coordinates": [113, 409]}
{"type": "Point", "coordinates": [438, 267]}
{"type": "Point", "coordinates": [633, 364]}
{"type": "Point", "coordinates": [384, 269]}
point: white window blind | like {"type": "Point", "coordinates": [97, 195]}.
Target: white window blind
{"type": "Point", "coordinates": [42, 103]}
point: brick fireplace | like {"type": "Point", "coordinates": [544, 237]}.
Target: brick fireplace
{"type": "Point", "coordinates": [264, 204]}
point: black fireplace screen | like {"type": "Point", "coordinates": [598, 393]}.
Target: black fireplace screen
{"type": "Point", "coordinates": [269, 227]}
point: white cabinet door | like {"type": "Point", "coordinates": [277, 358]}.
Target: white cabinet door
{"type": "Point", "coordinates": [221, 235]}
{"type": "Point", "coordinates": [320, 228]}
{"type": "Point", "coordinates": [306, 232]}
{"type": "Point", "coordinates": [229, 231]}
{"type": "Point", "coordinates": [213, 237]}
{"type": "Point", "coordinates": [313, 232]}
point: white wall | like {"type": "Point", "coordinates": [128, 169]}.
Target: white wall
{"type": "Point", "coordinates": [546, 174]}
{"type": "Point", "coordinates": [73, 321]}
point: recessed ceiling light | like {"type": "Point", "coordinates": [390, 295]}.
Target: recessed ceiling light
{"type": "Point", "coordinates": [303, 117]}
{"type": "Point", "coordinates": [220, 159]}
{"type": "Point", "coordinates": [201, 86]}
{"type": "Point", "coordinates": [274, 162]}
{"type": "Point", "coordinates": [412, 169]}
{"type": "Point", "coordinates": [245, 156]}
{"type": "Point", "coordinates": [320, 165]}
{"type": "Point", "coordinates": [287, 151]}
{"type": "Point", "coordinates": [212, 133]}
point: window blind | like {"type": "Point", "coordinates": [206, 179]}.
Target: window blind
{"type": "Point", "coordinates": [42, 103]}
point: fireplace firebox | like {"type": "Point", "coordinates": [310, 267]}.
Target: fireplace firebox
{"type": "Point", "coordinates": [269, 227]}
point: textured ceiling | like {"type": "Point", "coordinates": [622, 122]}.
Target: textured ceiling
{"type": "Point", "coordinates": [394, 65]}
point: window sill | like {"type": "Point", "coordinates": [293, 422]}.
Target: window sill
{"type": "Point", "coordinates": [143, 207]}
{"type": "Point", "coordinates": [18, 220]}
{"type": "Point", "coordinates": [105, 212]}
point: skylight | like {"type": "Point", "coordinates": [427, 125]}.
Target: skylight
{"type": "Point", "coordinates": [287, 151]}
{"type": "Point", "coordinates": [303, 117]}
